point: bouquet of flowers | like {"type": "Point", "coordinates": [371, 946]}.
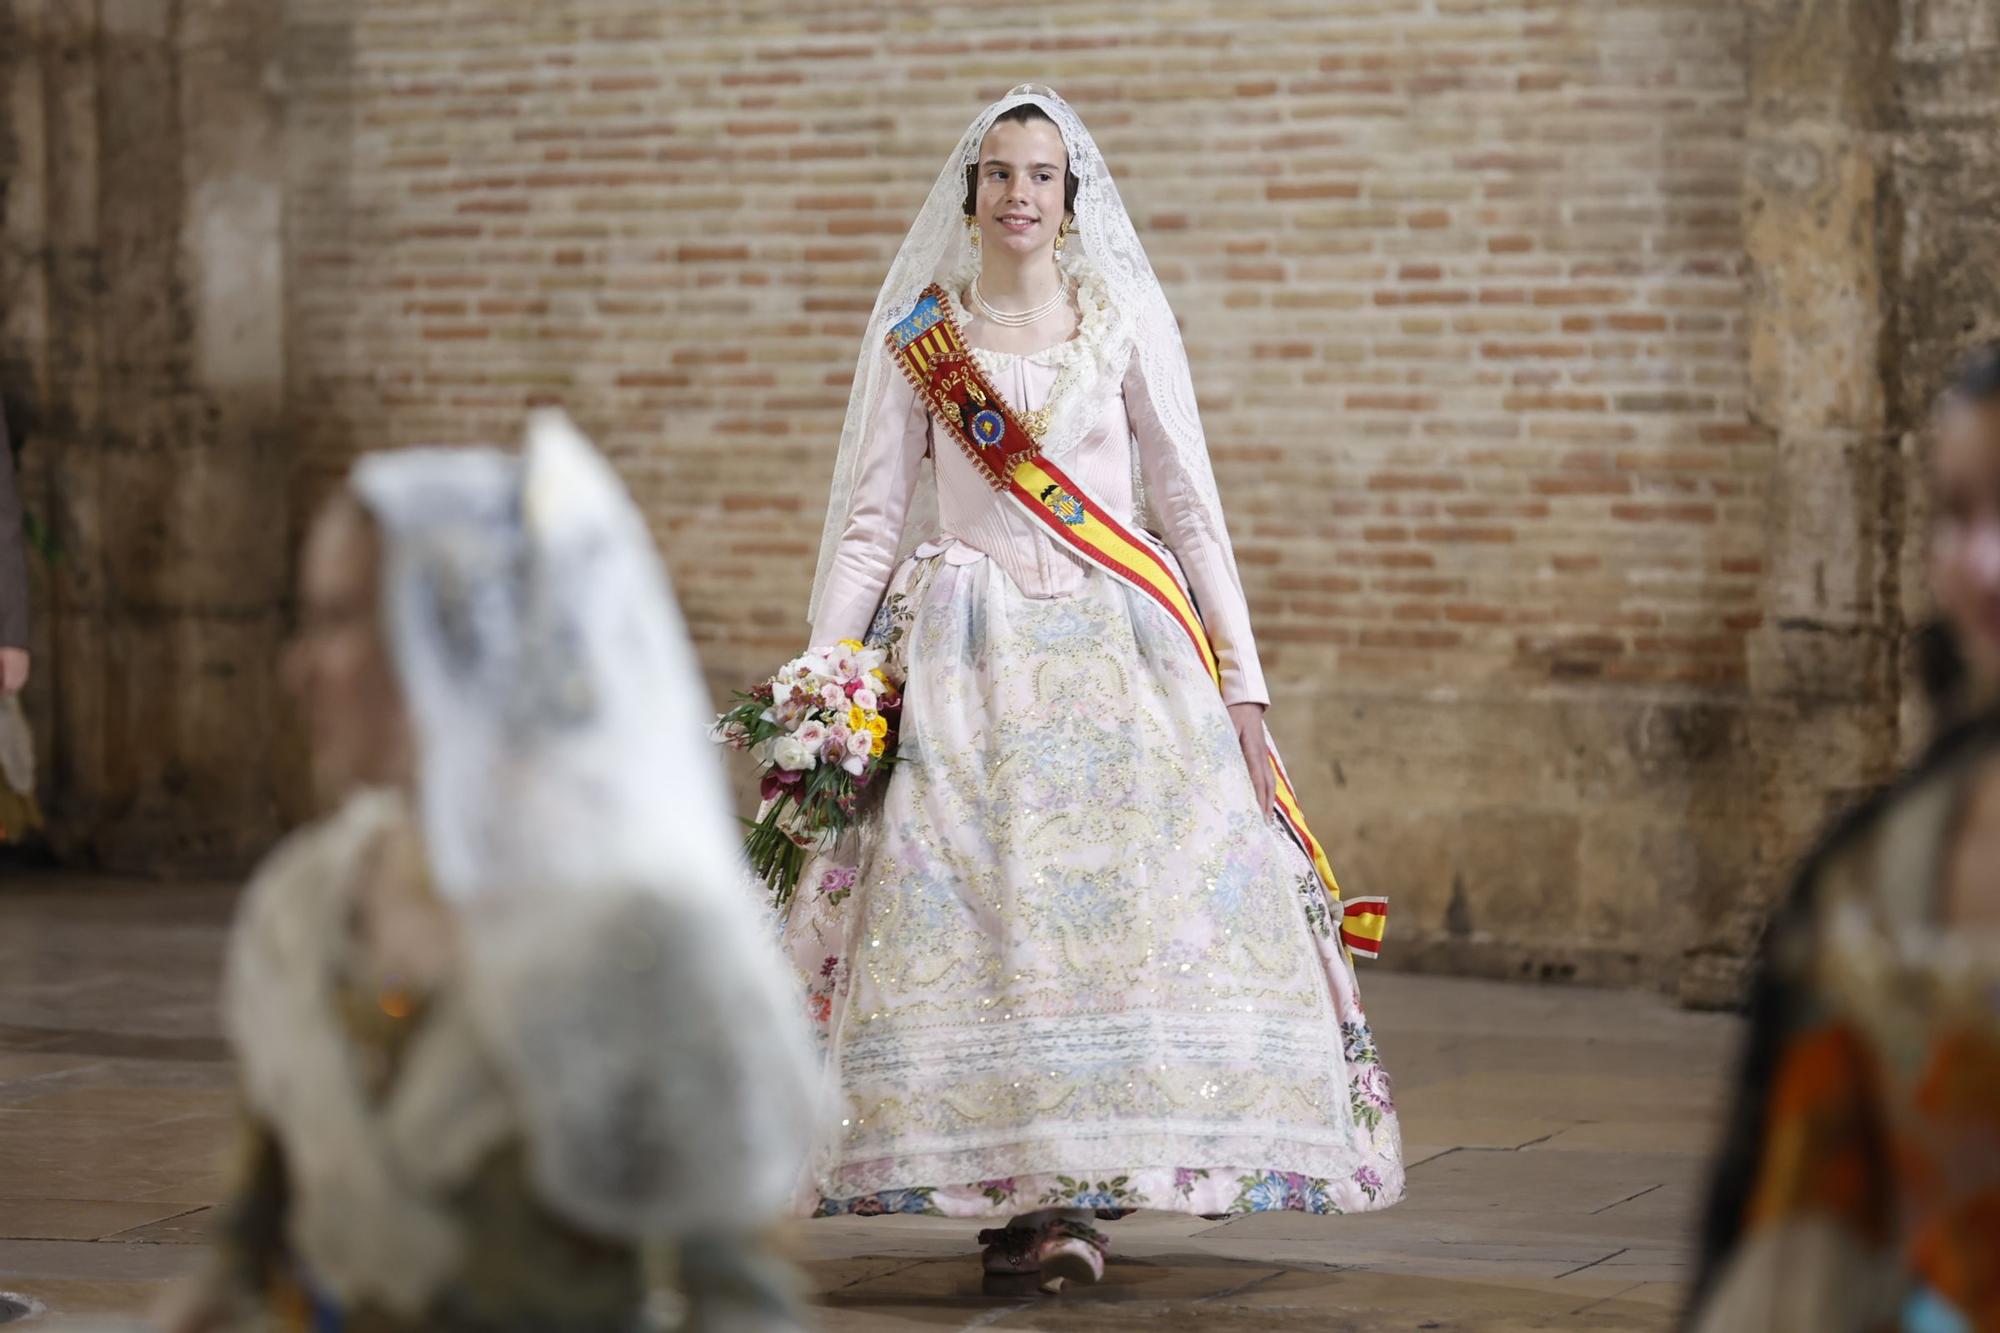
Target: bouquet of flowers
{"type": "Point", "coordinates": [823, 727]}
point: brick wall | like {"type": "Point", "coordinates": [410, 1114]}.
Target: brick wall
{"type": "Point", "coordinates": [1462, 290]}
{"type": "Point", "coordinates": [1462, 284]}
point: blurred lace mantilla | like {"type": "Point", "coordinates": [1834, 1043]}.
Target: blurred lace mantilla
{"type": "Point", "coordinates": [616, 1058]}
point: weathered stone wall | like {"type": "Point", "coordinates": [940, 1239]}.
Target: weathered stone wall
{"type": "Point", "coordinates": [1946, 171]}
{"type": "Point", "coordinates": [1822, 723]}
{"type": "Point", "coordinates": [141, 277]}
{"type": "Point", "coordinates": [1561, 365]}
{"type": "Point", "coordinates": [1874, 250]}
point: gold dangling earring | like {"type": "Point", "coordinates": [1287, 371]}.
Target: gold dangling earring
{"type": "Point", "coordinates": [972, 232]}
{"type": "Point", "coordinates": [1062, 236]}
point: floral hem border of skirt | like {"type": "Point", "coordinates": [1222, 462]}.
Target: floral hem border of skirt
{"type": "Point", "coordinates": [1205, 1191]}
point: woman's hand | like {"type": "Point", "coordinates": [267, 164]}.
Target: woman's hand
{"type": "Point", "coordinates": [1248, 720]}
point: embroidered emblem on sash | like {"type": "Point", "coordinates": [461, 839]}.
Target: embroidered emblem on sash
{"type": "Point", "coordinates": [926, 316]}
{"type": "Point", "coordinates": [1064, 505]}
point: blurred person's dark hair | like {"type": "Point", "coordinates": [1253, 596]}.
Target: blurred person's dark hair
{"type": "Point", "coordinates": [1977, 379]}
{"type": "Point", "coordinates": [1939, 669]}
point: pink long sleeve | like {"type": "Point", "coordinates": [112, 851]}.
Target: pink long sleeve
{"type": "Point", "coordinates": [891, 453]}
{"type": "Point", "coordinates": [1201, 543]}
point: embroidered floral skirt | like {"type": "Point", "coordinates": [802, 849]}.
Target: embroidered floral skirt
{"type": "Point", "coordinates": [1066, 962]}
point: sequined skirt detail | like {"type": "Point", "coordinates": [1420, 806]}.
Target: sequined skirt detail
{"type": "Point", "coordinates": [1066, 961]}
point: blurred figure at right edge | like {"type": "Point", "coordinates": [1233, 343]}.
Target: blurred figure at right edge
{"type": "Point", "coordinates": [1859, 1187]}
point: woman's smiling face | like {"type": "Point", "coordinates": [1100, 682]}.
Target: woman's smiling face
{"type": "Point", "coordinates": [1019, 200]}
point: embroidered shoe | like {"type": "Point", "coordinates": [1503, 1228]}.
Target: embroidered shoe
{"type": "Point", "coordinates": [1012, 1251]}
{"type": "Point", "coordinates": [1072, 1252]}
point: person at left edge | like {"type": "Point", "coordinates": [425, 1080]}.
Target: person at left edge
{"type": "Point", "coordinates": [19, 813]}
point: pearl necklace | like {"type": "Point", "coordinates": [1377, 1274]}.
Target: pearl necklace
{"type": "Point", "coordinates": [1020, 319]}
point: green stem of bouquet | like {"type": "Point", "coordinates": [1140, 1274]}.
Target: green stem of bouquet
{"type": "Point", "coordinates": [781, 862]}
{"type": "Point", "coordinates": [776, 859]}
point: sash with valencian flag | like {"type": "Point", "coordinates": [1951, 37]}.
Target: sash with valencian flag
{"type": "Point", "coordinates": [932, 352]}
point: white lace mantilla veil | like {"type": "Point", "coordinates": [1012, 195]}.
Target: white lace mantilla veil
{"type": "Point", "coordinates": [620, 968]}
{"type": "Point", "coordinates": [1103, 241]}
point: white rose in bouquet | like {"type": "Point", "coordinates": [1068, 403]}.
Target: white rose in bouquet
{"type": "Point", "coordinates": [788, 753]}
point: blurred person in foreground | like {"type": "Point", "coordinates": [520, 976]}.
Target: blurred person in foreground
{"type": "Point", "coordinates": [1859, 1187]}
{"type": "Point", "coordinates": [508, 1021]}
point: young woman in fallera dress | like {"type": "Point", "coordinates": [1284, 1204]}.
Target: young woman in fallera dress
{"type": "Point", "coordinates": [1070, 965]}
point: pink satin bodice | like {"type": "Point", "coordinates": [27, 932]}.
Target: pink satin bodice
{"type": "Point", "coordinates": [978, 522]}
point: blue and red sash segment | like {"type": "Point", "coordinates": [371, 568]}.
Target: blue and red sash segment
{"type": "Point", "coordinates": [930, 348]}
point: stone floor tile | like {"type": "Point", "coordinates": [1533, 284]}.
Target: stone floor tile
{"type": "Point", "coordinates": [123, 1101]}
{"type": "Point", "coordinates": [1665, 1295]}
{"type": "Point", "coordinates": [956, 1280]}
{"type": "Point", "coordinates": [77, 1219]}
{"type": "Point", "coordinates": [1670, 1264]}
{"type": "Point", "coordinates": [33, 1066]}
{"type": "Point", "coordinates": [1428, 1259]}
{"type": "Point", "coordinates": [1386, 1293]}
{"type": "Point", "coordinates": [1607, 1052]}
{"type": "Point", "coordinates": [1695, 1136]}
{"type": "Point", "coordinates": [1544, 1181]}
{"type": "Point", "coordinates": [121, 1307]}
{"type": "Point", "coordinates": [1434, 1124]}
{"type": "Point", "coordinates": [188, 1226]}
{"type": "Point", "coordinates": [23, 1262]}
{"type": "Point", "coordinates": [1572, 1098]}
